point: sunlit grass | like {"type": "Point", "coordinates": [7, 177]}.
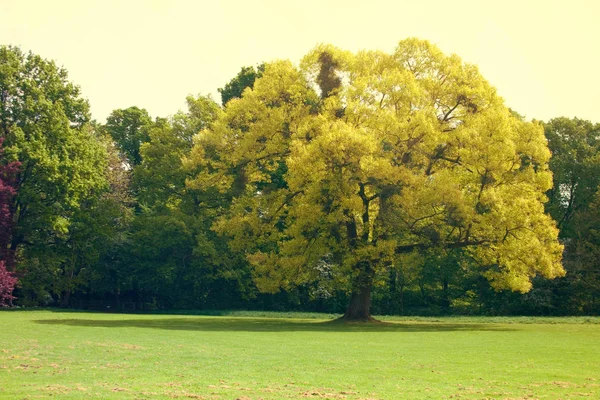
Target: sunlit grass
{"type": "Point", "coordinates": [246, 355]}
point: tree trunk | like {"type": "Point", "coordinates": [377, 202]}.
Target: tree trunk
{"type": "Point", "coordinates": [359, 309]}
{"type": "Point", "coordinates": [445, 300]}
{"type": "Point", "coordinates": [400, 309]}
{"type": "Point", "coordinates": [360, 305]}
{"type": "Point", "coordinates": [65, 298]}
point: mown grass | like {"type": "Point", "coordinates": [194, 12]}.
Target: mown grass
{"type": "Point", "coordinates": [248, 355]}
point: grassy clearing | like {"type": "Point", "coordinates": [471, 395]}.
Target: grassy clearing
{"type": "Point", "coordinates": [47, 354]}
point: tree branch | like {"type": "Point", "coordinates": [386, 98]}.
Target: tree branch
{"type": "Point", "coordinates": [455, 245]}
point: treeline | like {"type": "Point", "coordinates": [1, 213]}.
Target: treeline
{"type": "Point", "coordinates": [113, 215]}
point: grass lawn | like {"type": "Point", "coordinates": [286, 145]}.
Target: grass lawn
{"type": "Point", "coordinates": [72, 355]}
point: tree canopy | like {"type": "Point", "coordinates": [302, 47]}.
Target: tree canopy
{"type": "Point", "coordinates": [129, 129]}
{"type": "Point", "coordinates": [355, 161]}
{"type": "Point", "coordinates": [244, 79]}
{"type": "Point", "coordinates": [575, 164]}
{"type": "Point", "coordinates": [574, 202]}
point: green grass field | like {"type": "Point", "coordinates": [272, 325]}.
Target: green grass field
{"type": "Point", "coordinates": [46, 354]}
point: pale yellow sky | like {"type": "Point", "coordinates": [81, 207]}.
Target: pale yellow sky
{"type": "Point", "coordinates": [542, 55]}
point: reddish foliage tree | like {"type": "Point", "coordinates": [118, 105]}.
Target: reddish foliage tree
{"type": "Point", "coordinates": [7, 285]}
{"type": "Point", "coordinates": [8, 184]}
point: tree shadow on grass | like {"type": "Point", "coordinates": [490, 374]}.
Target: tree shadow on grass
{"type": "Point", "coordinates": [222, 324]}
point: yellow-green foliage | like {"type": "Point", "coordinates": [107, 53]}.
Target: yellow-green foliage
{"type": "Point", "coordinates": [412, 150]}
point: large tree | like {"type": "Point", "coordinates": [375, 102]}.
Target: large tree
{"type": "Point", "coordinates": [176, 256]}
{"type": "Point", "coordinates": [575, 204]}
{"type": "Point", "coordinates": [45, 126]}
{"type": "Point", "coordinates": [575, 164]}
{"type": "Point", "coordinates": [129, 129]}
{"type": "Point", "coordinates": [355, 160]}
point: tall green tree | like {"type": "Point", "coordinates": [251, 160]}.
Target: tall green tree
{"type": "Point", "coordinates": [129, 129]}
{"type": "Point", "coordinates": [363, 158]}
{"type": "Point", "coordinates": [575, 164]}
{"type": "Point", "coordinates": [574, 204]}
{"type": "Point", "coordinates": [244, 79]}
{"type": "Point", "coordinates": [98, 232]}
{"type": "Point", "coordinates": [176, 257]}
{"type": "Point", "coordinates": [45, 126]}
